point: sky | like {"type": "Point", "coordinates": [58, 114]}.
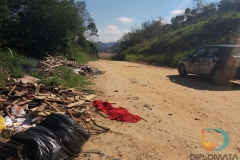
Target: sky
{"type": "Point", "coordinates": [113, 18]}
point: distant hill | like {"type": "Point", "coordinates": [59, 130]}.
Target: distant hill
{"type": "Point", "coordinates": [164, 44]}
{"type": "Point", "coordinates": [111, 47]}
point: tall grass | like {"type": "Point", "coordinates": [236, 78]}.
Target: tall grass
{"type": "Point", "coordinates": [62, 76]}
{"type": "Point", "coordinates": [16, 65]}
{"type": "Point", "coordinates": [81, 57]}
{"type": "Point", "coordinates": [165, 59]}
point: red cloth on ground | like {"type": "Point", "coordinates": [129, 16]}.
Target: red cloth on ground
{"type": "Point", "coordinates": [120, 114]}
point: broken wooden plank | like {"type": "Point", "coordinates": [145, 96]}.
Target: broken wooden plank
{"type": "Point", "coordinates": [33, 109]}
{"type": "Point", "coordinates": [7, 102]}
{"type": "Point", "coordinates": [52, 105]}
{"type": "Point", "coordinates": [23, 102]}
{"type": "Point", "coordinates": [77, 92]}
{"type": "Point", "coordinates": [75, 104]}
{"type": "Point", "coordinates": [16, 101]}
{"type": "Point", "coordinates": [11, 91]}
{"type": "Point", "coordinates": [102, 114]}
{"type": "Point", "coordinates": [107, 129]}
{"type": "Point", "coordinates": [66, 90]}
{"type": "Point", "coordinates": [89, 103]}
{"type": "Point", "coordinates": [92, 151]}
{"type": "Point", "coordinates": [46, 113]}
{"type": "Point", "coordinates": [144, 119]}
{"type": "Point", "coordinates": [8, 106]}
{"type": "Point", "coordinates": [2, 100]}
{"type": "Point", "coordinates": [45, 64]}
{"type": "Point", "coordinates": [41, 107]}
{"type": "Point", "coordinates": [37, 89]}
{"type": "Point", "coordinates": [89, 97]}
{"type": "Point", "coordinates": [70, 113]}
{"type": "Point", "coordinates": [40, 97]}
{"type": "Point", "coordinates": [54, 100]}
{"type": "Point", "coordinates": [28, 79]}
{"type": "Point", "coordinates": [43, 94]}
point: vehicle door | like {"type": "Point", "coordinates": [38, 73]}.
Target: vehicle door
{"type": "Point", "coordinates": [236, 54]}
{"type": "Point", "coordinates": [195, 59]}
{"type": "Point", "coordinates": [212, 54]}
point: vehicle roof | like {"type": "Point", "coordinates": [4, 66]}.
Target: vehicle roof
{"type": "Point", "coordinates": [222, 45]}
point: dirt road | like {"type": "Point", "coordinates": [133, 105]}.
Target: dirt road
{"type": "Point", "coordinates": [176, 108]}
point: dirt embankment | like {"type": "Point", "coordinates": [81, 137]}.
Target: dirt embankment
{"type": "Point", "coordinates": [176, 108]}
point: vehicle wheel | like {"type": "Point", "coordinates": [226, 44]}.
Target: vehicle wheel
{"type": "Point", "coordinates": [218, 77]}
{"type": "Point", "coordinates": [182, 70]}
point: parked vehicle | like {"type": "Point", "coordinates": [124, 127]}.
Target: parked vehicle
{"type": "Point", "coordinates": [221, 62]}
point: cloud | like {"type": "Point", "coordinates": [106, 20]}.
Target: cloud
{"type": "Point", "coordinates": [178, 12]}
{"type": "Point", "coordinates": [166, 21]}
{"type": "Point", "coordinates": [163, 20]}
{"type": "Point", "coordinates": [125, 19]}
{"type": "Point", "coordinates": [111, 29]}
{"type": "Point", "coordinates": [110, 33]}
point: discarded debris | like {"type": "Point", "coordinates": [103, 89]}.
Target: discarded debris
{"type": "Point", "coordinates": [147, 106]}
{"type": "Point", "coordinates": [51, 63]}
{"type": "Point", "coordinates": [66, 134]}
{"type": "Point", "coordinates": [25, 107]}
{"type": "Point", "coordinates": [93, 151]}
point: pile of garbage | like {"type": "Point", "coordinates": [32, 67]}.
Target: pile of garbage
{"type": "Point", "coordinates": [50, 63]}
{"type": "Point", "coordinates": [37, 122]}
{"type": "Point", "coordinates": [45, 122]}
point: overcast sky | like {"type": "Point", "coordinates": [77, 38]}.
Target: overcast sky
{"type": "Point", "coordinates": [113, 18]}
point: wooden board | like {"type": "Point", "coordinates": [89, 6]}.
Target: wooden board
{"type": "Point", "coordinates": [47, 113]}
{"type": "Point", "coordinates": [71, 105]}
{"type": "Point", "coordinates": [41, 107]}
{"type": "Point", "coordinates": [89, 97]}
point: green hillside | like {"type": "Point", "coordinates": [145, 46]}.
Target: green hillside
{"type": "Point", "coordinates": [164, 44]}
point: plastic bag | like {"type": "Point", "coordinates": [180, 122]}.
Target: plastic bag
{"type": "Point", "coordinates": [70, 133]}
{"type": "Point", "coordinates": [41, 144]}
{"type": "Point", "coordinates": [8, 121]}
{"type": "Point", "coordinates": [57, 137]}
{"type": "Point", "coordinates": [2, 124]}
{"type": "Point", "coordinates": [17, 110]}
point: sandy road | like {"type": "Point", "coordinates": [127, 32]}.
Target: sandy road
{"type": "Point", "coordinates": [179, 107]}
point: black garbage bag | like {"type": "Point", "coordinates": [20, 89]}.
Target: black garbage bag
{"type": "Point", "coordinates": [69, 132]}
{"type": "Point", "coordinates": [55, 138]}
{"type": "Point", "coordinates": [39, 143]}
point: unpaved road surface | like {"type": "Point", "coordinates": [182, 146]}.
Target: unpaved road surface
{"type": "Point", "coordinates": [178, 109]}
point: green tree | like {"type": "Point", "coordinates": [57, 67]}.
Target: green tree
{"type": "Point", "coordinates": [227, 5]}
{"type": "Point", "coordinates": [176, 21]}
{"type": "Point", "coordinates": [188, 12]}
{"type": "Point", "coordinates": [89, 25]}
{"type": "Point", "coordinates": [40, 27]}
{"type": "Point", "coordinates": [199, 5]}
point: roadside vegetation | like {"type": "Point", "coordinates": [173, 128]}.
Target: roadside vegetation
{"type": "Point", "coordinates": [164, 44]}
{"type": "Point", "coordinates": [16, 66]}
{"type": "Point", "coordinates": [30, 30]}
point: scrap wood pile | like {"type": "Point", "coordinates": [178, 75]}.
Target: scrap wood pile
{"type": "Point", "coordinates": [50, 63]}
{"type": "Point", "coordinates": [32, 115]}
